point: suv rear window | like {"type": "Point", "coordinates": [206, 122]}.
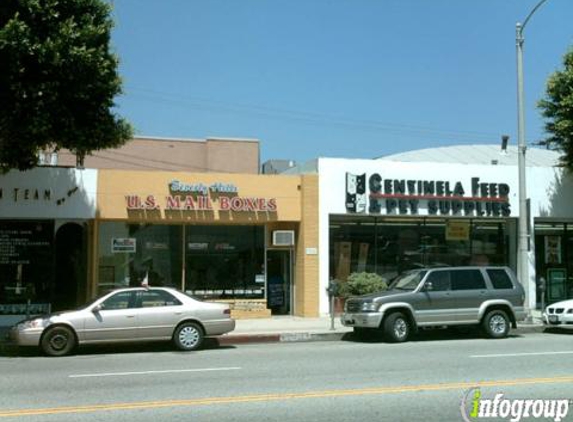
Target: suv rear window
{"type": "Point", "coordinates": [500, 279]}
{"type": "Point", "coordinates": [467, 280]}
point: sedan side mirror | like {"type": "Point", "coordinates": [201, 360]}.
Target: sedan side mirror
{"type": "Point", "coordinates": [97, 308]}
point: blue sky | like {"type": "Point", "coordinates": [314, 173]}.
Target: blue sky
{"type": "Point", "coordinates": [335, 78]}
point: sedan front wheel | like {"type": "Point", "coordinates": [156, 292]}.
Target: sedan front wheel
{"type": "Point", "coordinates": [58, 341]}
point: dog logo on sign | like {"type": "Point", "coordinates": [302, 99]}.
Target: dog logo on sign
{"type": "Point", "coordinates": [356, 193]}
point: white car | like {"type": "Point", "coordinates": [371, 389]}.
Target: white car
{"type": "Point", "coordinates": [559, 314]}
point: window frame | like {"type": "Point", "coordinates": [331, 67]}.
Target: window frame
{"type": "Point", "coordinates": [447, 273]}
{"type": "Point", "coordinates": [131, 303]}
{"type": "Point", "coordinates": [453, 280]}
{"type": "Point", "coordinates": [492, 279]}
{"type": "Point", "coordinates": [141, 293]}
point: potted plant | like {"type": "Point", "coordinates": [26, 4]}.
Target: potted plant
{"type": "Point", "coordinates": [362, 283]}
{"type": "Point", "coordinates": [358, 284]}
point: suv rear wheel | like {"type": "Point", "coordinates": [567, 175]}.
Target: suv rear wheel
{"type": "Point", "coordinates": [496, 324]}
{"type": "Point", "coordinates": [397, 327]}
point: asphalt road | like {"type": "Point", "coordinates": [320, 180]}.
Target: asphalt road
{"type": "Point", "coordinates": [423, 380]}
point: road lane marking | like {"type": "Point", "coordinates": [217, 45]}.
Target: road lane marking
{"type": "Point", "coordinates": [510, 355]}
{"type": "Point", "coordinates": [281, 396]}
{"type": "Point", "coordinates": [167, 371]}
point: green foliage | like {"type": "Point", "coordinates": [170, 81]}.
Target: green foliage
{"type": "Point", "coordinates": [361, 284]}
{"type": "Point", "coordinates": [557, 108]}
{"type": "Point", "coordinates": [58, 80]}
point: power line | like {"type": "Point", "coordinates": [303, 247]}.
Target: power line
{"type": "Point", "coordinates": [206, 104]}
{"type": "Point", "coordinates": [138, 163]}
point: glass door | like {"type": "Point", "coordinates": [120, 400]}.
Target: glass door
{"type": "Point", "coordinates": [279, 281]}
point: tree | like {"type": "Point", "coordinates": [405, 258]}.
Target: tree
{"type": "Point", "coordinates": [58, 80]}
{"type": "Point", "coordinates": [557, 108]}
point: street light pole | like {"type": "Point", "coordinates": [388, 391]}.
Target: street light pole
{"type": "Point", "coordinates": [523, 245]}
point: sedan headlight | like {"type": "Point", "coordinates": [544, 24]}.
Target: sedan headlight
{"type": "Point", "coordinates": [369, 307]}
{"type": "Point", "coordinates": [32, 323]}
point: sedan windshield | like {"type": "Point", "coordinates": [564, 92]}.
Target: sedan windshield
{"type": "Point", "coordinates": [408, 281]}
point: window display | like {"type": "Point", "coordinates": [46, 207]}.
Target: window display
{"type": "Point", "coordinates": [224, 261]}
{"type": "Point", "coordinates": [130, 253]}
{"type": "Point", "coordinates": [26, 267]}
{"type": "Point", "coordinates": [390, 246]}
{"type": "Point", "coordinates": [218, 261]}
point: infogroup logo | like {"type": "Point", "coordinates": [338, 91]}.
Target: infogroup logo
{"type": "Point", "coordinates": [474, 407]}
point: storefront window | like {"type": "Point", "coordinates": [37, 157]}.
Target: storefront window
{"type": "Point", "coordinates": [132, 253]}
{"type": "Point", "coordinates": [390, 246]}
{"type": "Point", "coordinates": [554, 261]}
{"type": "Point", "coordinates": [225, 262]}
{"type": "Point", "coordinates": [353, 246]}
{"type": "Point", "coordinates": [27, 263]}
{"type": "Point", "coordinates": [398, 248]}
{"type": "Point", "coordinates": [489, 243]}
{"type": "Point", "coordinates": [220, 262]}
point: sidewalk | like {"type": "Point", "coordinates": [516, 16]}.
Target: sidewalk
{"type": "Point", "coordinates": [291, 328]}
{"type": "Point", "coordinates": [285, 328]}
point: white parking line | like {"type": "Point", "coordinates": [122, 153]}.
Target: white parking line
{"type": "Point", "coordinates": [508, 355]}
{"type": "Point", "coordinates": [169, 371]}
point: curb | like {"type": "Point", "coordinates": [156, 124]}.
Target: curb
{"type": "Point", "coordinates": [525, 329]}
{"type": "Point", "coordinates": [234, 339]}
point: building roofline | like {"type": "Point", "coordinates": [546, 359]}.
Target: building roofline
{"type": "Point", "coordinates": [209, 138]}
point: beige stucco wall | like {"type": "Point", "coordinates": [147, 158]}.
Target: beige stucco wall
{"type": "Point", "coordinates": [307, 294]}
{"type": "Point", "coordinates": [296, 209]}
{"type": "Point", "coordinates": [157, 154]}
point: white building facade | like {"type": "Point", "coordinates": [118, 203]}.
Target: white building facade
{"type": "Point", "coordinates": [444, 206]}
{"type": "Point", "coordinates": [45, 219]}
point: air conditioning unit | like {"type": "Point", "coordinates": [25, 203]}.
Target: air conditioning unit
{"type": "Point", "coordinates": [283, 238]}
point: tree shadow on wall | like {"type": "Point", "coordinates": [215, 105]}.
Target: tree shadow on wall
{"type": "Point", "coordinates": [560, 194]}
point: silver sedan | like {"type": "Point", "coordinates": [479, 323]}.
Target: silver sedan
{"type": "Point", "coordinates": [128, 315]}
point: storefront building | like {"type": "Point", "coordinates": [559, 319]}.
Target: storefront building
{"type": "Point", "coordinates": [238, 238]}
{"type": "Point", "coordinates": [45, 221]}
{"type": "Point", "coordinates": [270, 244]}
{"type": "Point", "coordinates": [444, 207]}
{"type": "Point", "coordinates": [222, 233]}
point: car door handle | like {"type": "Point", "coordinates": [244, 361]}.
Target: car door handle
{"type": "Point", "coordinates": [178, 313]}
{"type": "Point", "coordinates": [130, 316]}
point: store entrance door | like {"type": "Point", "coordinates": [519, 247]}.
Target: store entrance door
{"type": "Point", "coordinates": [71, 252]}
{"type": "Point", "coordinates": [279, 281]}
